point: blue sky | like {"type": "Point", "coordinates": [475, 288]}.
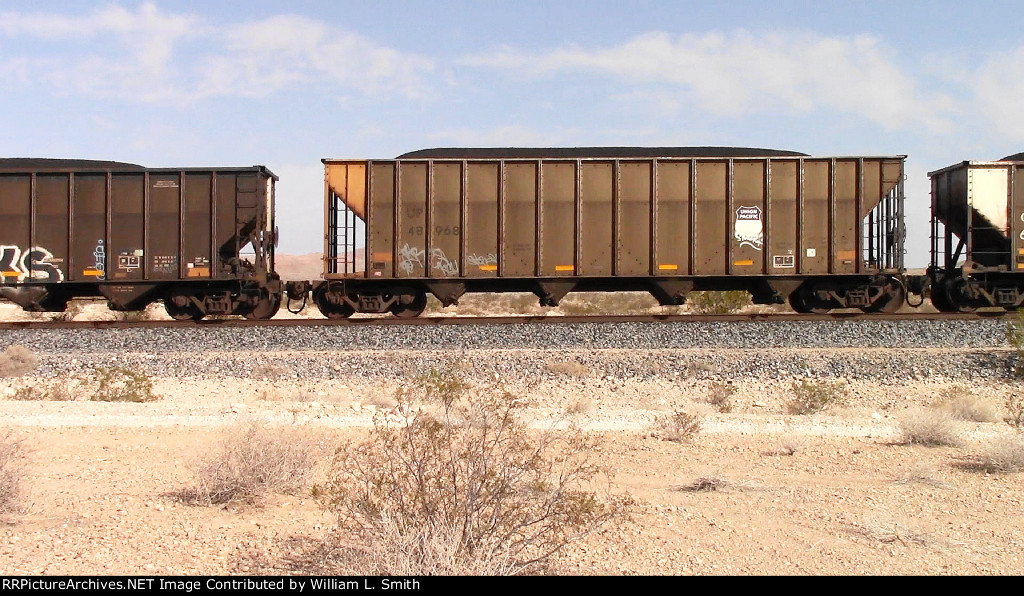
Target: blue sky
{"type": "Point", "coordinates": [284, 84]}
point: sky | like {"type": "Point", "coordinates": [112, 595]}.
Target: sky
{"type": "Point", "coordinates": [200, 84]}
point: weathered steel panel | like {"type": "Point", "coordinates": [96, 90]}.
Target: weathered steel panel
{"type": "Point", "coordinates": [558, 217]}
{"type": "Point", "coordinates": [597, 188]}
{"type": "Point", "coordinates": [381, 226]}
{"type": "Point", "coordinates": [710, 221]}
{"type": "Point", "coordinates": [519, 226]}
{"type": "Point", "coordinates": [781, 243]}
{"type": "Point", "coordinates": [845, 223]}
{"type": "Point", "coordinates": [482, 186]}
{"type": "Point", "coordinates": [673, 211]}
{"type": "Point", "coordinates": [410, 242]}
{"type": "Point", "coordinates": [634, 220]}
{"type": "Point", "coordinates": [128, 225]}
{"type": "Point", "coordinates": [1016, 216]}
{"type": "Point", "coordinates": [815, 217]}
{"type": "Point", "coordinates": [445, 229]}
{"type": "Point", "coordinates": [53, 216]}
{"type": "Point", "coordinates": [196, 239]}
{"type": "Point", "coordinates": [165, 226]}
{"type": "Point", "coordinates": [89, 228]}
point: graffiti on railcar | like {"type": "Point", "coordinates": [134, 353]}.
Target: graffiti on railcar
{"type": "Point", "coordinates": [35, 263]}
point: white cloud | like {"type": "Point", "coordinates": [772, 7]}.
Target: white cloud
{"type": "Point", "coordinates": [151, 55]}
{"type": "Point", "coordinates": [998, 87]}
{"type": "Point", "coordinates": [744, 73]}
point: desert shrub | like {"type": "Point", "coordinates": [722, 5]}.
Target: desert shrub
{"type": "Point", "coordinates": [1006, 454]}
{"type": "Point", "coordinates": [717, 303]}
{"type": "Point", "coordinates": [270, 372]}
{"type": "Point", "coordinates": [252, 461]}
{"type": "Point", "coordinates": [568, 368]}
{"type": "Point", "coordinates": [122, 384]}
{"type": "Point", "coordinates": [962, 403]}
{"type": "Point", "coordinates": [720, 396]}
{"type": "Point", "coordinates": [679, 427]}
{"type": "Point", "coordinates": [17, 360]}
{"type": "Point", "coordinates": [606, 303]}
{"type": "Point", "coordinates": [1015, 337]}
{"type": "Point", "coordinates": [459, 485]}
{"type": "Point", "coordinates": [55, 390]}
{"type": "Point", "coordinates": [929, 426]}
{"type": "Point", "coordinates": [12, 472]}
{"type": "Point", "coordinates": [1015, 411]}
{"type": "Point", "coordinates": [789, 444]}
{"type": "Point", "coordinates": [810, 397]}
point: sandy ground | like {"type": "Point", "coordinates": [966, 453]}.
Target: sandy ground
{"type": "Point", "coordinates": [830, 493]}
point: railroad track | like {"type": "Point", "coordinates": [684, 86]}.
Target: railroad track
{"type": "Point", "coordinates": [505, 320]}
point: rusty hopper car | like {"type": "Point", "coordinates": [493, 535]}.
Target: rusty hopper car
{"type": "Point", "coordinates": [977, 250]}
{"type": "Point", "coordinates": [822, 232]}
{"type": "Point", "coordinates": [200, 240]}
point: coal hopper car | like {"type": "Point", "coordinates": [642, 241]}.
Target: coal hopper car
{"type": "Point", "coordinates": [819, 232]}
{"type": "Point", "coordinates": [199, 240]}
{"type": "Point", "coordinates": [977, 247]}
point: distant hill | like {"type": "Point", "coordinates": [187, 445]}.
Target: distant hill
{"type": "Point", "coordinates": [299, 267]}
{"type": "Point", "coordinates": [305, 267]}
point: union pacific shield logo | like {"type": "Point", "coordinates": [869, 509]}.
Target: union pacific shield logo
{"type": "Point", "coordinates": [749, 228]}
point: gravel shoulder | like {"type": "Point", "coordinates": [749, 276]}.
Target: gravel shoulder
{"type": "Point", "coordinates": [830, 493]}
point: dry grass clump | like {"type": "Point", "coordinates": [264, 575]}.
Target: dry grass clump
{"type": "Point", "coordinates": [929, 426]}
{"type": "Point", "coordinates": [1006, 454]}
{"type": "Point", "coordinates": [889, 531]}
{"type": "Point", "coordinates": [1015, 411]}
{"type": "Point", "coordinates": [12, 472]}
{"type": "Point", "coordinates": [679, 427]}
{"type": "Point", "coordinates": [16, 361]}
{"type": "Point", "coordinates": [720, 396]}
{"type": "Point", "coordinates": [607, 303]}
{"type": "Point", "coordinates": [122, 385]}
{"type": "Point", "coordinates": [962, 403]}
{"type": "Point", "coordinates": [252, 461]}
{"type": "Point", "coordinates": [49, 390]}
{"type": "Point", "coordinates": [789, 444]}
{"type": "Point", "coordinates": [717, 303]}
{"type": "Point", "coordinates": [270, 372]}
{"type": "Point", "coordinates": [461, 486]}
{"type": "Point", "coordinates": [810, 397]}
{"type": "Point", "coordinates": [568, 368]}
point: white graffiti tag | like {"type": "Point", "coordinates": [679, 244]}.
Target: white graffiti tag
{"type": "Point", "coordinates": [35, 263]}
{"type": "Point", "coordinates": [477, 260]}
{"type": "Point", "coordinates": [409, 258]}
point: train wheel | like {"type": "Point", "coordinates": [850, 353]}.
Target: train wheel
{"type": "Point", "coordinates": [413, 308]}
{"type": "Point", "coordinates": [337, 311]}
{"type": "Point", "coordinates": [802, 301]}
{"type": "Point", "coordinates": [331, 310]}
{"type": "Point", "coordinates": [941, 301]}
{"type": "Point", "coordinates": [182, 312]}
{"type": "Point", "coordinates": [960, 298]}
{"type": "Point", "coordinates": [266, 308]}
{"type": "Point", "coordinates": [891, 301]}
